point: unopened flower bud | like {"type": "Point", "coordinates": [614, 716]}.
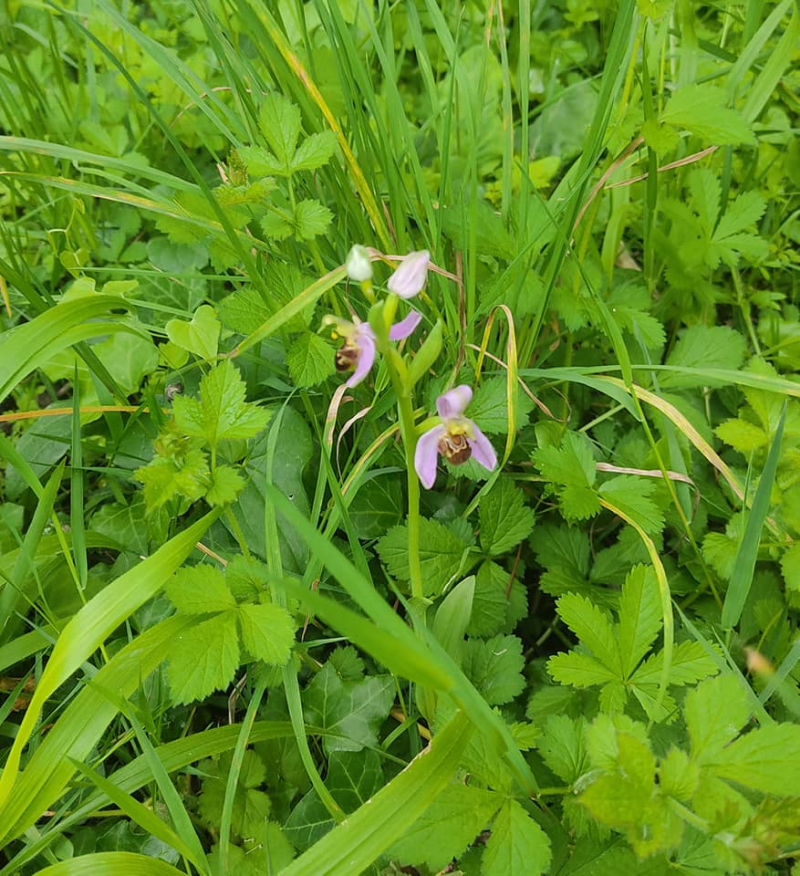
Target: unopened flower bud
{"type": "Point", "coordinates": [359, 266]}
{"type": "Point", "coordinates": [410, 275]}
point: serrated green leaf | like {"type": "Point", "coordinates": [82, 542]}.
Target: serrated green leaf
{"type": "Point", "coordinates": [226, 484]}
{"type": "Point", "coordinates": [690, 663]}
{"type": "Point", "coordinates": [267, 632]}
{"type": "Point", "coordinates": [631, 494]}
{"type": "Point", "coordinates": [504, 518]}
{"type": "Point", "coordinates": [678, 775]}
{"type": "Point", "coordinates": [517, 846]}
{"type": "Point", "coordinates": [441, 554]}
{"type": "Point", "coordinates": [703, 346]}
{"type": "Point", "coordinates": [790, 566]}
{"type": "Point", "coordinates": [495, 667]}
{"type": "Point", "coordinates": [222, 412]}
{"type": "Point", "coordinates": [164, 478]}
{"type": "Point", "coordinates": [579, 670]}
{"type": "Point", "coordinates": [260, 161]}
{"type": "Point", "coordinates": [199, 590]}
{"type": "Point", "coordinates": [495, 608]}
{"type": "Point", "coordinates": [311, 219]}
{"type": "Point", "coordinates": [563, 748]}
{"type": "Point", "coordinates": [593, 627]}
{"type": "Point", "coordinates": [571, 464]}
{"type": "Point", "coordinates": [702, 109]}
{"type": "Point", "coordinates": [766, 759]}
{"type": "Point", "coordinates": [314, 151]}
{"type": "Point", "coordinates": [279, 120]}
{"type": "Point", "coordinates": [489, 407]}
{"type": "Point", "coordinates": [578, 503]}
{"type": "Point", "coordinates": [715, 712]}
{"type": "Point", "coordinates": [639, 617]}
{"type": "Point", "coordinates": [310, 359]}
{"type": "Point", "coordinates": [741, 435]}
{"type": "Point", "coordinates": [204, 658]}
{"type": "Point", "coordinates": [447, 827]}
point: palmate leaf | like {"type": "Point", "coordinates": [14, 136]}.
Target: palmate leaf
{"type": "Point", "coordinates": [222, 412]}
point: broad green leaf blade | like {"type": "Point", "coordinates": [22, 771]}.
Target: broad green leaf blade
{"type": "Point", "coordinates": [518, 846]}
{"type": "Point", "coordinates": [742, 577]}
{"type": "Point", "coordinates": [767, 759]}
{"type": "Point", "coordinates": [112, 864]}
{"type": "Point", "coordinates": [29, 345]}
{"type": "Point", "coordinates": [366, 834]}
{"type": "Point", "coordinates": [89, 628]}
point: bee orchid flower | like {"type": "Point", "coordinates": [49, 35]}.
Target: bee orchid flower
{"type": "Point", "coordinates": [357, 352]}
{"type": "Point", "coordinates": [456, 438]}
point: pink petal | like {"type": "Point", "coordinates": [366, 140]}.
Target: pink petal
{"type": "Point", "coordinates": [365, 360]}
{"type": "Point", "coordinates": [482, 450]}
{"type": "Point", "coordinates": [426, 456]}
{"type": "Point", "coordinates": [453, 402]}
{"type": "Point", "coordinates": [404, 328]}
{"type": "Point", "coordinates": [410, 275]}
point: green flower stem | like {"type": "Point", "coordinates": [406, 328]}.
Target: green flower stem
{"type": "Point", "coordinates": [405, 411]}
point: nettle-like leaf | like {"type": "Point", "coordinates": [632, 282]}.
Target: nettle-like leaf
{"type": "Point", "coordinates": [571, 471]}
{"type": "Point", "coordinates": [449, 825]}
{"type": "Point", "coordinates": [443, 554]}
{"type": "Point", "coordinates": [518, 846]}
{"type": "Point", "coordinates": [310, 359]}
{"type": "Point", "coordinates": [495, 667]}
{"type": "Point", "coordinates": [222, 413]}
{"type": "Point", "coordinates": [504, 518]}
{"type": "Point", "coordinates": [611, 654]}
{"type": "Point", "coordinates": [205, 658]}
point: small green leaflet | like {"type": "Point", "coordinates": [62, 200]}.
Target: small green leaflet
{"type": "Point", "coordinates": [571, 470]}
{"type": "Point", "coordinates": [205, 658]}
{"type": "Point", "coordinates": [495, 667]}
{"type": "Point", "coordinates": [200, 336]}
{"type": "Point", "coordinates": [517, 846]}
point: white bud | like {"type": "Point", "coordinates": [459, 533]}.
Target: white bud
{"type": "Point", "coordinates": [411, 274]}
{"type": "Point", "coordinates": [359, 266]}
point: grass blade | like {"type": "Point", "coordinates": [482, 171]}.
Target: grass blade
{"type": "Point", "coordinates": [742, 578]}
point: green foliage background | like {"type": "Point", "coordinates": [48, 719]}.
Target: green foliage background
{"type": "Point", "coordinates": [210, 656]}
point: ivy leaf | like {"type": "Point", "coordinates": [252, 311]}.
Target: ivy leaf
{"type": "Point", "coordinates": [200, 336]}
{"type": "Point", "coordinates": [311, 219]}
{"type": "Point", "coordinates": [199, 590]}
{"type": "Point", "coordinates": [267, 632]}
{"type": "Point", "coordinates": [447, 827]}
{"type": "Point", "coordinates": [350, 711]}
{"type": "Point", "coordinates": [495, 667]}
{"type": "Point", "coordinates": [517, 846]}
{"type": "Point", "coordinates": [310, 359]}
{"type": "Point", "coordinates": [314, 151]}
{"type": "Point", "coordinates": [504, 518]}
{"type": "Point", "coordinates": [204, 658]}
{"type": "Point", "coordinates": [222, 413]}
{"type": "Point", "coordinates": [441, 554]}
{"type": "Point", "coordinates": [352, 779]}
